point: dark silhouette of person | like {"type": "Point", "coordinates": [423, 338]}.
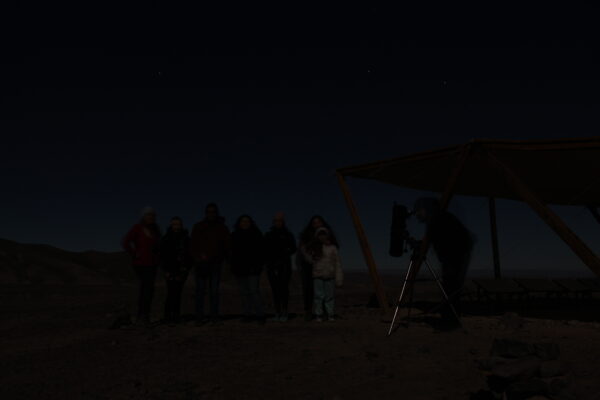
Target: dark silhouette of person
{"type": "Point", "coordinates": [141, 242]}
{"type": "Point", "coordinates": [309, 244]}
{"type": "Point", "coordinates": [210, 245]}
{"type": "Point", "coordinates": [452, 243]}
{"type": "Point", "coordinates": [280, 245]}
{"type": "Point", "coordinates": [247, 261]}
{"type": "Point", "coordinates": [175, 262]}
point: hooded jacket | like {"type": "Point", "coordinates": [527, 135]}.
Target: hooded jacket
{"type": "Point", "coordinates": [325, 259]}
{"type": "Point", "coordinates": [328, 265]}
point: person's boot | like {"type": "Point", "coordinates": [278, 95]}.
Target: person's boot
{"type": "Point", "coordinates": [145, 321]}
{"type": "Point", "coordinates": [276, 318]}
{"type": "Point", "coordinates": [200, 320]}
{"type": "Point", "coordinates": [284, 317]}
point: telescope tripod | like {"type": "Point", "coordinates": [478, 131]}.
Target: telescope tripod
{"type": "Point", "coordinates": [404, 290]}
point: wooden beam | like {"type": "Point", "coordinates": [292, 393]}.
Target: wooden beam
{"type": "Point", "coordinates": [391, 161]}
{"type": "Point", "coordinates": [550, 217]}
{"type": "Point", "coordinates": [364, 244]}
{"type": "Point", "coordinates": [494, 229]}
{"type": "Point", "coordinates": [594, 211]}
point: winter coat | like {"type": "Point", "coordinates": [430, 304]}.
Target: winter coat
{"type": "Point", "coordinates": [210, 242]}
{"type": "Point", "coordinates": [280, 245]}
{"type": "Point", "coordinates": [449, 238]}
{"type": "Point", "coordinates": [142, 244]}
{"type": "Point", "coordinates": [304, 256]}
{"type": "Point", "coordinates": [247, 252]}
{"type": "Point", "coordinates": [328, 265]}
{"type": "Point", "coordinates": [174, 254]}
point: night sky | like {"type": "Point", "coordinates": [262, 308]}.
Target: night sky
{"type": "Point", "coordinates": [175, 109]}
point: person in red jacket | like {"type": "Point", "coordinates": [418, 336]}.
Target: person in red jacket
{"type": "Point", "coordinates": [141, 242]}
{"type": "Point", "coordinates": [210, 245]}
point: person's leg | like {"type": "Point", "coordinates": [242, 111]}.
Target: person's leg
{"type": "Point", "coordinates": [455, 289]}
{"type": "Point", "coordinates": [201, 281]}
{"type": "Point", "coordinates": [319, 296]}
{"type": "Point", "coordinates": [329, 297]}
{"type": "Point", "coordinates": [311, 288]}
{"type": "Point", "coordinates": [139, 272]}
{"type": "Point", "coordinates": [256, 299]}
{"type": "Point", "coordinates": [463, 268]}
{"type": "Point", "coordinates": [307, 288]}
{"type": "Point", "coordinates": [284, 288]}
{"type": "Point", "coordinates": [176, 310]}
{"type": "Point", "coordinates": [215, 281]}
{"type": "Point", "coordinates": [148, 279]}
{"type": "Point", "coordinates": [244, 285]}
{"type": "Point", "coordinates": [450, 282]}
{"type": "Point", "coordinates": [273, 275]}
{"type": "Point", "coordinates": [169, 301]}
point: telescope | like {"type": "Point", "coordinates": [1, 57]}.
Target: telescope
{"type": "Point", "coordinates": [399, 235]}
{"type": "Point", "coordinates": [400, 240]}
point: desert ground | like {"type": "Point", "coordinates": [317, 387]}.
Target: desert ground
{"type": "Point", "coordinates": [57, 344]}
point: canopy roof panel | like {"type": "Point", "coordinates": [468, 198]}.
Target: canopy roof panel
{"type": "Point", "coordinates": [563, 171]}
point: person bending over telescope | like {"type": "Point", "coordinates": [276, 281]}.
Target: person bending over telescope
{"type": "Point", "coordinates": [452, 244]}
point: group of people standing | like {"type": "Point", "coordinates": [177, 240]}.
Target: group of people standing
{"type": "Point", "coordinates": [211, 245]}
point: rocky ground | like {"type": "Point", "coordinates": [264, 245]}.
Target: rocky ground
{"type": "Point", "coordinates": [56, 345]}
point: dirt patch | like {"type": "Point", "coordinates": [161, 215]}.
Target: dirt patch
{"type": "Point", "coordinates": [56, 344]}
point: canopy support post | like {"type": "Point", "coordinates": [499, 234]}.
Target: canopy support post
{"type": "Point", "coordinates": [494, 229]}
{"type": "Point", "coordinates": [550, 217]}
{"type": "Point", "coordinates": [364, 244]}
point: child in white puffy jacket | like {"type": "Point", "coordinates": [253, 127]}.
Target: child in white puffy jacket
{"type": "Point", "coordinates": [327, 273]}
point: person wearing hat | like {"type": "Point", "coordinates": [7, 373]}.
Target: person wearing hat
{"type": "Point", "coordinates": [280, 245]}
{"type": "Point", "coordinates": [326, 272]}
{"type": "Point", "coordinates": [141, 243]}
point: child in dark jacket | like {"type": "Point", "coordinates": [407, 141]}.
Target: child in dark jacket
{"type": "Point", "coordinates": [280, 245]}
{"type": "Point", "coordinates": [247, 260]}
{"type": "Point", "coordinates": [175, 262]}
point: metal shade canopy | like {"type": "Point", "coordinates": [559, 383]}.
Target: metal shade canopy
{"type": "Point", "coordinates": [565, 172]}
{"type": "Point", "coordinates": [538, 172]}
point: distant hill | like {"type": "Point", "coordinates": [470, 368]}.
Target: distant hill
{"type": "Point", "coordinates": [38, 263]}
